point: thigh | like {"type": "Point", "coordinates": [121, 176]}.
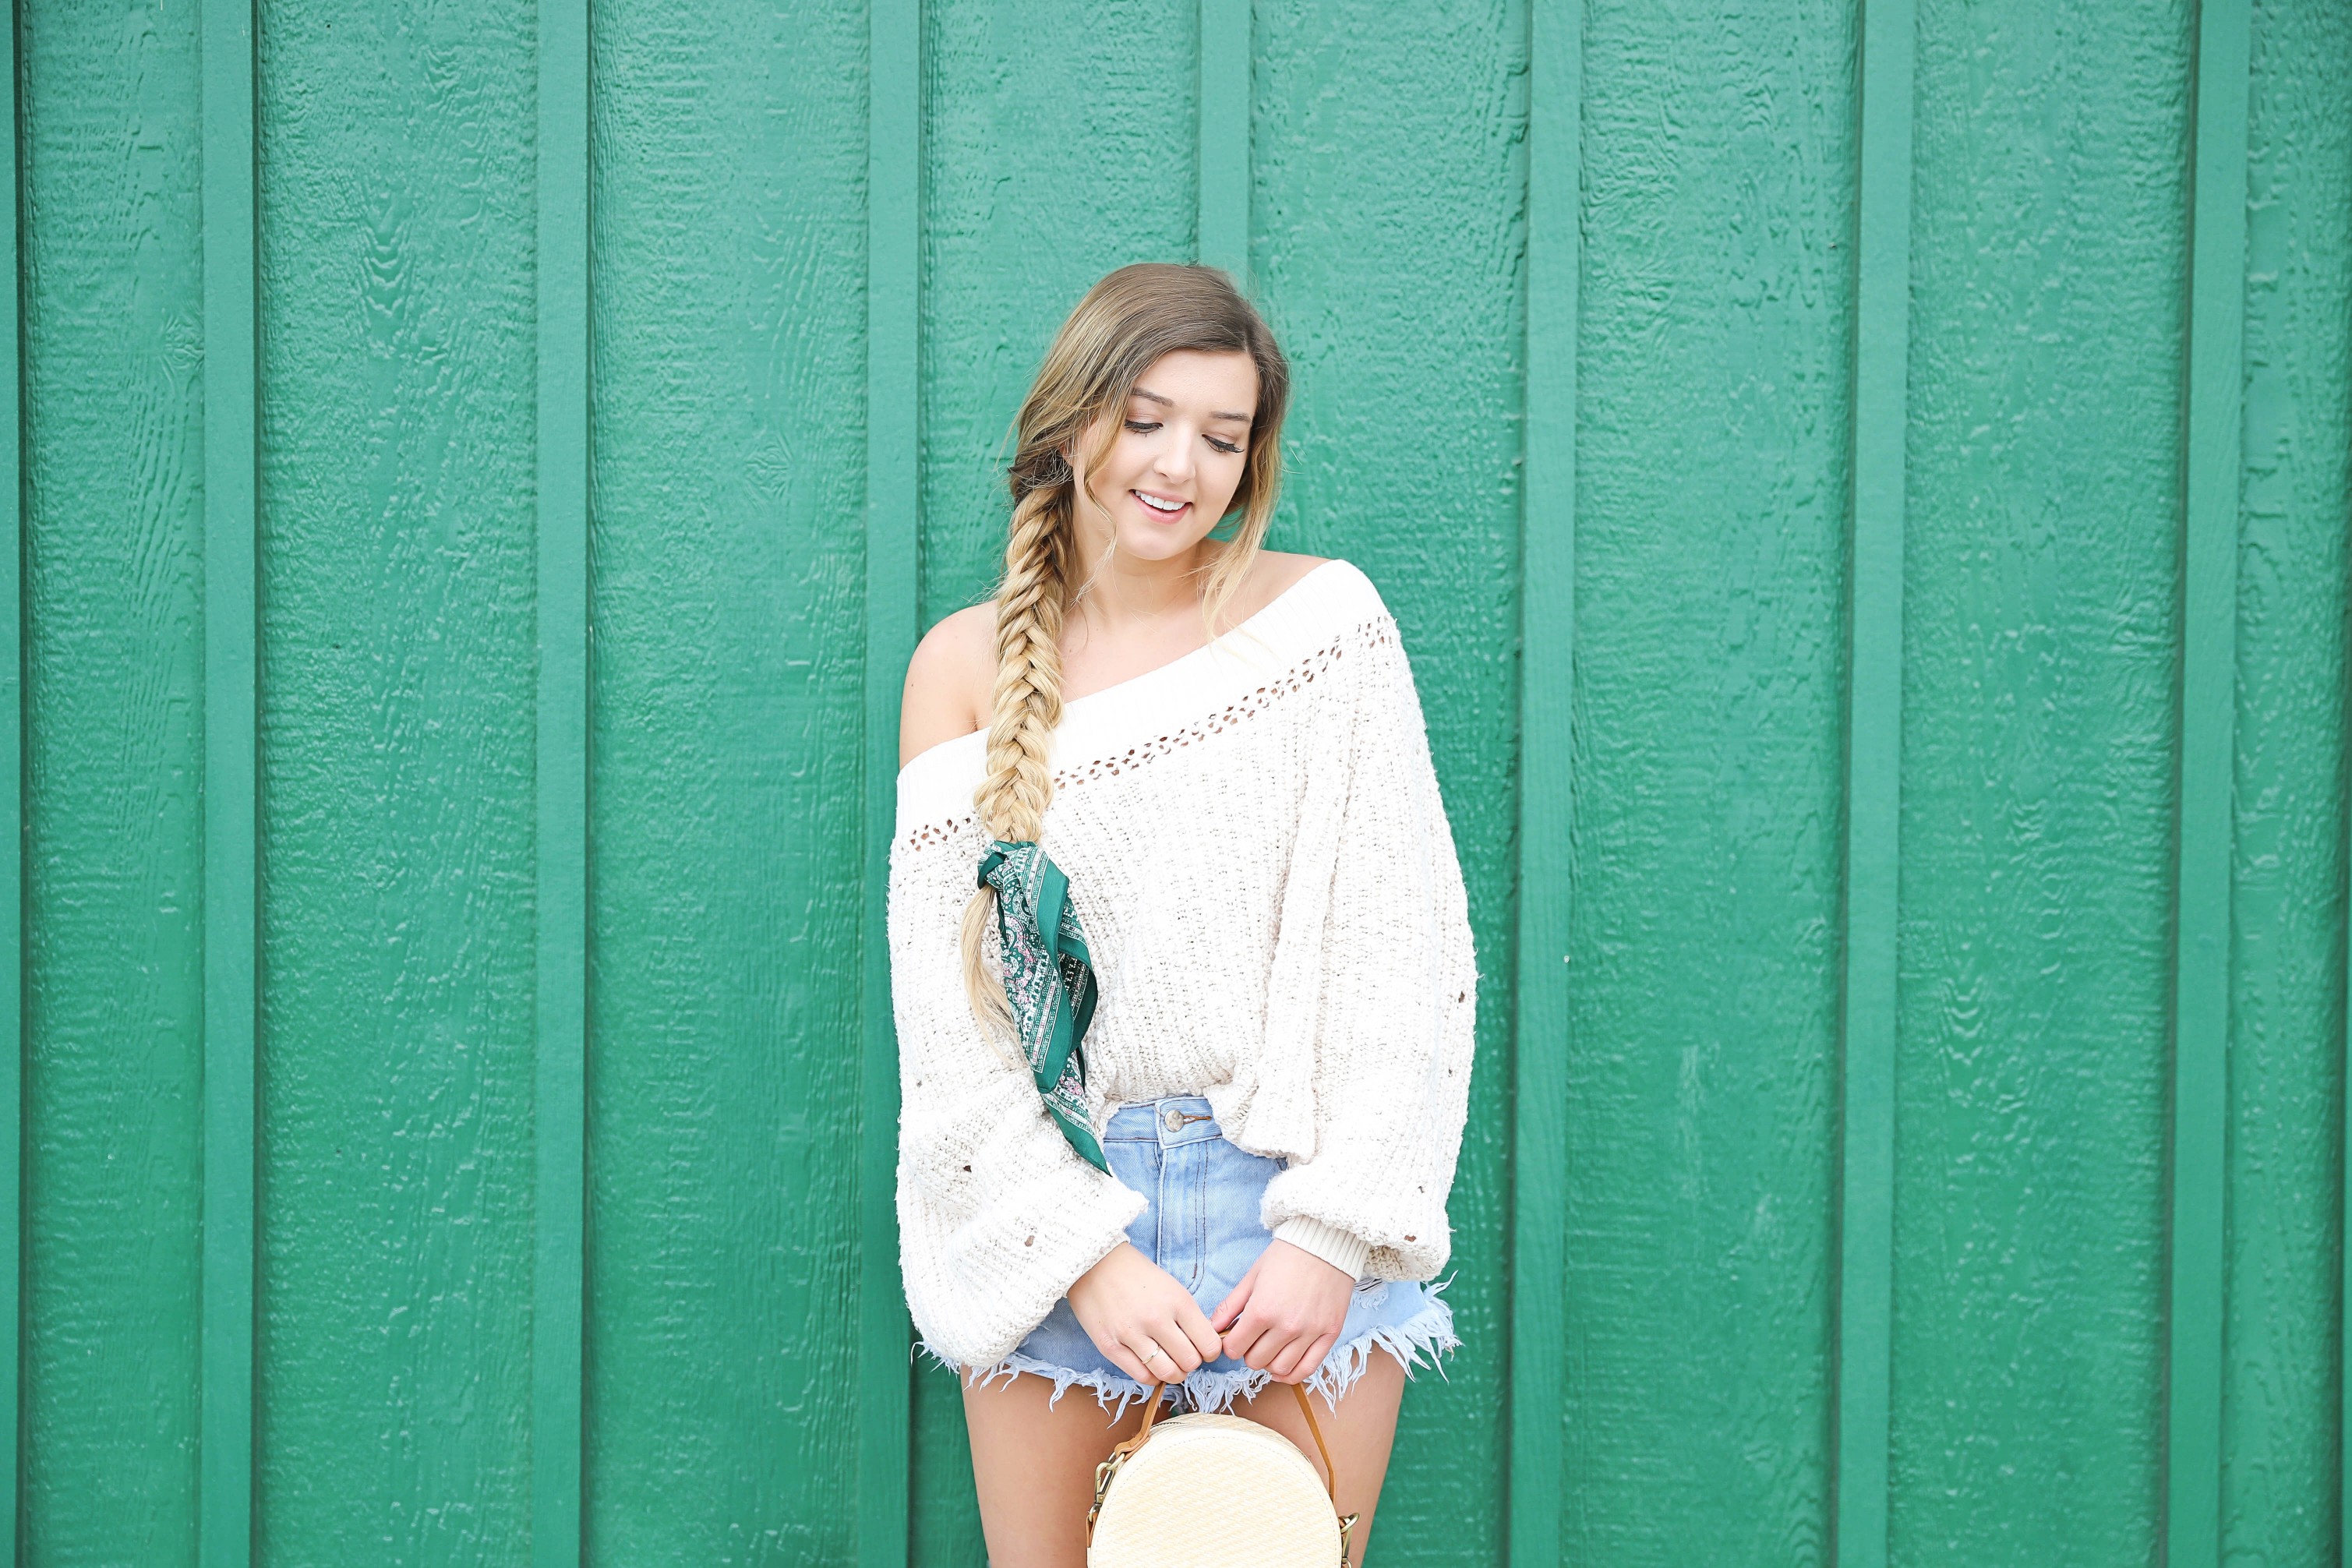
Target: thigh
{"type": "Point", "coordinates": [1035, 1467]}
{"type": "Point", "coordinates": [1359, 1435]}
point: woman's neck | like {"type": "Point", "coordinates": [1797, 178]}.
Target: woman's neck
{"type": "Point", "coordinates": [1125, 593]}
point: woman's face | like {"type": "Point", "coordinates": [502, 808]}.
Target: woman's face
{"type": "Point", "coordinates": [1171, 471]}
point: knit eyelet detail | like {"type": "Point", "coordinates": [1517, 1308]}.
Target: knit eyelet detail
{"type": "Point", "coordinates": [1373, 633]}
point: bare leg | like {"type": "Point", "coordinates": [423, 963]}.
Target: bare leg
{"type": "Point", "coordinates": [1359, 1435]}
{"type": "Point", "coordinates": [1035, 1467]}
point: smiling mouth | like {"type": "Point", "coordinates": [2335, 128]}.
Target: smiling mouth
{"type": "Point", "coordinates": [1156, 508]}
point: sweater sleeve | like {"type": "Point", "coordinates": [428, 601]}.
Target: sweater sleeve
{"type": "Point", "coordinates": [1397, 987]}
{"type": "Point", "coordinates": [998, 1216]}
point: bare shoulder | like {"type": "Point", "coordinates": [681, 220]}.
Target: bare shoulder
{"type": "Point", "coordinates": [1271, 575]}
{"type": "Point", "coordinates": [947, 680]}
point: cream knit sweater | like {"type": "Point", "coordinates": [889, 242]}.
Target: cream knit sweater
{"type": "Point", "coordinates": [1257, 851]}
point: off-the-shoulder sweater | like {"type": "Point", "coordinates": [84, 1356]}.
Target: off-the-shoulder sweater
{"type": "Point", "coordinates": [1275, 913]}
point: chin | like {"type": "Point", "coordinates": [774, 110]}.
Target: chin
{"type": "Point", "coordinates": [1156, 544]}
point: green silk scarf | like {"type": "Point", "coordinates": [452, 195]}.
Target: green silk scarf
{"type": "Point", "coordinates": [1049, 979]}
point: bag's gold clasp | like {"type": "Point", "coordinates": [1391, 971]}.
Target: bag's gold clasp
{"type": "Point", "coordinates": [1346, 1523]}
{"type": "Point", "coordinates": [1103, 1473]}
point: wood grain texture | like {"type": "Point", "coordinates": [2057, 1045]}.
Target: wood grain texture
{"type": "Point", "coordinates": [1390, 174]}
{"type": "Point", "coordinates": [560, 764]}
{"type": "Point", "coordinates": [1869, 1014]}
{"type": "Point", "coordinates": [1043, 169]}
{"type": "Point", "coordinates": [2041, 654]}
{"type": "Point", "coordinates": [11, 798]}
{"type": "Point", "coordinates": [2212, 472]}
{"type": "Point", "coordinates": [1543, 909]}
{"type": "Point", "coordinates": [893, 550]}
{"type": "Point", "coordinates": [225, 1428]}
{"type": "Point", "coordinates": [2279, 1396]}
{"type": "Point", "coordinates": [1713, 461]}
{"type": "Point", "coordinates": [111, 293]}
{"type": "Point", "coordinates": [730, 365]}
{"type": "Point", "coordinates": [732, 681]}
{"type": "Point", "coordinates": [397, 464]}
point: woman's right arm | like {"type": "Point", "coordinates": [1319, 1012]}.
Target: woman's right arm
{"type": "Point", "coordinates": [998, 1216]}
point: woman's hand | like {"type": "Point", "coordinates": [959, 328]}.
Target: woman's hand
{"type": "Point", "coordinates": [1287, 1313]}
{"type": "Point", "coordinates": [1139, 1317]}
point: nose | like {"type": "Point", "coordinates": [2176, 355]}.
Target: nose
{"type": "Point", "coordinates": [1173, 461]}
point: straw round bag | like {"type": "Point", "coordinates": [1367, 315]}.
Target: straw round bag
{"type": "Point", "coordinates": [1215, 1492]}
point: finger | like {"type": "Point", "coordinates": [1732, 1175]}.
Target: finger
{"type": "Point", "coordinates": [1194, 1325]}
{"type": "Point", "coordinates": [1244, 1333]}
{"type": "Point", "coordinates": [1298, 1363]}
{"type": "Point", "coordinates": [1176, 1346]}
{"type": "Point", "coordinates": [1260, 1341]}
{"type": "Point", "coordinates": [1285, 1358]}
{"type": "Point", "coordinates": [1235, 1299]}
{"type": "Point", "coordinates": [1128, 1362]}
{"type": "Point", "coordinates": [1160, 1363]}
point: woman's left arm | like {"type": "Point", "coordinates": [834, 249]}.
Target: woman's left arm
{"type": "Point", "coordinates": [1393, 1042]}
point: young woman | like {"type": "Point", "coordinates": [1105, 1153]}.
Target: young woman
{"type": "Point", "coordinates": [1181, 957]}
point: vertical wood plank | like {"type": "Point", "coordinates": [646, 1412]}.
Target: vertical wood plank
{"type": "Point", "coordinates": [727, 799]}
{"type": "Point", "coordinates": [11, 844]}
{"type": "Point", "coordinates": [894, 108]}
{"type": "Point", "coordinates": [225, 1521]}
{"type": "Point", "coordinates": [1547, 664]}
{"type": "Point", "coordinates": [1873, 787]}
{"type": "Point", "coordinates": [1388, 183]}
{"type": "Point", "coordinates": [2209, 567]}
{"type": "Point", "coordinates": [559, 1098]}
{"type": "Point", "coordinates": [1225, 158]}
{"type": "Point", "coordinates": [2040, 754]}
{"type": "Point", "coordinates": [1714, 441]}
{"type": "Point", "coordinates": [2281, 1302]}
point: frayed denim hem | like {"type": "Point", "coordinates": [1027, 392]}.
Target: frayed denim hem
{"type": "Point", "coordinates": [1428, 1331]}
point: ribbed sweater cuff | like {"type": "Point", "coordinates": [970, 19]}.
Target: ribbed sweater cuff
{"type": "Point", "coordinates": [1335, 1247]}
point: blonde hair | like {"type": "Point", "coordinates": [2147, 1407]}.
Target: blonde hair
{"type": "Point", "coordinates": [1125, 323]}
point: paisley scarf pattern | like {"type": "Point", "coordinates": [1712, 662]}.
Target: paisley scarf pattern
{"type": "Point", "coordinates": [1049, 979]}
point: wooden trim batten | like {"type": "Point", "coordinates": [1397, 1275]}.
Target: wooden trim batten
{"type": "Point", "coordinates": [12, 780]}
{"type": "Point", "coordinates": [1873, 773]}
{"type": "Point", "coordinates": [2209, 589]}
{"type": "Point", "coordinates": [231, 889]}
{"type": "Point", "coordinates": [1538, 1216]}
{"type": "Point", "coordinates": [886, 1386]}
{"type": "Point", "coordinates": [559, 1287]}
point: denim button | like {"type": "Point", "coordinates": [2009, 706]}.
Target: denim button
{"type": "Point", "coordinates": [1173, 1118]}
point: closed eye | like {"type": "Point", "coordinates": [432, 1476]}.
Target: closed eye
{"type": "Point", "coordinates": [1146, 427]}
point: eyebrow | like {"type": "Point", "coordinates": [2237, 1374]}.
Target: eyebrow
{"type": "Point", "coordinates": [1171, 402]}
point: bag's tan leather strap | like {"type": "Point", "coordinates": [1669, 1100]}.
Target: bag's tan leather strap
{"type": "Point", "coordinates": [1330, 1472]}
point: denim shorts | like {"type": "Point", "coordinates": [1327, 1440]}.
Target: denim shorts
{"type": "Point", "coordinates": [1201, 1226]}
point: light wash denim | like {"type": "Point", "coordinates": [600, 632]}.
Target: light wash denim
{"type": "Point", "coordinates": [1201, 1226]}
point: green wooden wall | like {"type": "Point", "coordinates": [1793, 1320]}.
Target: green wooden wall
{"type": "Point", "coordinates": [1867, 487]}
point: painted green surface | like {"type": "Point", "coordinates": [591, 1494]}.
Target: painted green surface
{"type": "Point", "coordinates": [113, 437]}
{"type": "Point", "coordinates": [730, 365]}
{"type": "Point", "coordinates": [1393, 293]}
{"type": "Point", "coordinates": [1031, 190]}
{"type": "Point", "coordinates": [2280, 1426]}
{"type": "Point", "coordinates": [2042, 641]}
{"type": "Point", "coordinates": [396, 416]}
{"type": "Point", "coordinates": [1711, 456]}
{"type": "Point", "coordinates": [733, 703]}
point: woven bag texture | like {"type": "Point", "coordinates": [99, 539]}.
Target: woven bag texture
{"type": "Point", "coordinates": [1216, 1491]}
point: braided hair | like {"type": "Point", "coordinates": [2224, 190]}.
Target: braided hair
{"type": "Point", "coordinates": [1124, 325]}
